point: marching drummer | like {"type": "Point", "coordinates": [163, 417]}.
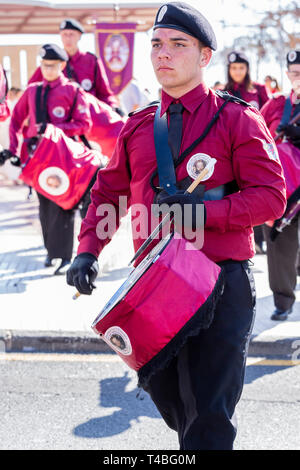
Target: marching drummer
{"type": "Point", "coordinates": [4, 108]}
{"type": "Point", "coordinates": [240, 84]}
{"type": "Point", "coordinates": [82, 67]}
{"type": "Point", "coordinates": [63, 104]}
{"type": "Point", "coordinates": [197, 392]}
{"type": "Point", "coordinates": [282, 252]}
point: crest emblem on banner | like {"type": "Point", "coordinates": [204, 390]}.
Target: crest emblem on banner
{"type": "Point", "coordinates": [116, 52]}
{"type": "Point", "coordinates": [116, 44]}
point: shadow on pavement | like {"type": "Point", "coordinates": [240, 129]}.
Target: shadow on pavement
{"type": "Point", "coordinates": [254, 373]}
{"type": "Point", "coordinates": [113, 394]}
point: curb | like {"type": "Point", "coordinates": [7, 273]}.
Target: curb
{"type": "Point", "coordinates": [85, 342]}
{"type": "Point", "coordinates": [264, 345]}
{"type": "Point", "coordinates": [51, 341]}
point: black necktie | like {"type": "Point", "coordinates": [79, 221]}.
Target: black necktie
{"type": "Point", "coordinates": [175, 128]}
{"type": "Point", "coordinates": [71, 75]}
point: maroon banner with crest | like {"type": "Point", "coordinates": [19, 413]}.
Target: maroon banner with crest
{"type": "Point", "coordinates": [115, 42]}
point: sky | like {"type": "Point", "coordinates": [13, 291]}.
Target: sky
{"type": "Point", "coordinates": [215, 11]}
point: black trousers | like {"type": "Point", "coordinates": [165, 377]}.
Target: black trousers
{"type": "Point", "coordinates": [198, 392]}
{"type": "Point", "coordinates": [57, 227]}
{"type": "Point", "coordinates": [282, 264]}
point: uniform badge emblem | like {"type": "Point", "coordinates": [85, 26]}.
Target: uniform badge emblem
{"type": "Point", "coordinates": [86, 84]}
{"type": "Point", "coordinates": [42, 52]}
{"type": "Point", "coordinates": [118, 340]}
{"type": "Point", "coordinates": [254, 104]}
{"type": "Point", "coordinates": [271, 150]}
{"type": "Point", "coordinates": [54, 181]}
{"type": "Point", "coordinates": [162, 13]}
{"type": "Point", "coordinates": [232, 57]}
{"type": "Point", "coordinates": [197, 163]}
{"type": "Point", "coordinates": [63, 24]}
{"type": "Point", "coordinates": [292, 55]}
{"type": "Point", "coordinates": [59, 112]}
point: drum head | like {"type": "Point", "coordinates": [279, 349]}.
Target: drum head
{"type": "Point", "coordinates": [133, 277]}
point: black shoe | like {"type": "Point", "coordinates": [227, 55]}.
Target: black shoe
{"type": "Point", "coordinates": [48, 262]}
{"type": "Point", "coordinates": [280, 315]}
{"type": "Point", "coordinates": [63, 267]}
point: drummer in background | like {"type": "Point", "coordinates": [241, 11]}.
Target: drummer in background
{"type": "Point", "coordinates": [4, 108]}
{"type": "Point", "coordinates": [239, 84]}
{"type": "Point", "coordinates": [197, 393]}
{"type": "Point", "coordinates": [282, 252]}
{"type": "Point", "coordinates": [82, 67]}
{"type": "Point", "coordinates": [64, 105]}
{"type": "Point", "coordinates": [271, 84]}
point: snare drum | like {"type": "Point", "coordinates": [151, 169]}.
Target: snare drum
{"type": "Point", "coordinates": [169, 296]}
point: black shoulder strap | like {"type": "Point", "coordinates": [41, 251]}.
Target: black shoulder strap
{"type": "Point", "coordinates": [41, 114]}
{"type": "Point", "coordinates": [185, 153]}
{"type": "Point", "coordinates": [74, 103]}
{"type": "Point", "coordinates": [233, 99]}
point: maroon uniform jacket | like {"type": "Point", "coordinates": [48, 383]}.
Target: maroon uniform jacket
{"type": "Point", "coordinates": [244, 150]}
{"type": "Point", "coordinates": [257, 96]}
{"type": "Point", "coordinates": [272, 111]}
{"type": "Point", "coordinates": [66, 106]}
{"type": "Point", "coordinates": [85, 69]}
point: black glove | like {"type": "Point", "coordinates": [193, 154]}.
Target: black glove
{"type": "Point", "coordinates": [119, 111]}
{"type": "Point", "coordinates": [5, 155]}
{"type": "Point", "coordinates": [83, 272]}
{"type": "Point", "coordinates": [292, 132]}
{"type": "Point", "coordinates": [15, 161]}
{"type": "Point", "coordinates": [188, 203]}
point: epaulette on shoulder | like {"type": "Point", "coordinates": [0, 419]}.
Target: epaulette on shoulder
{"type": "Point", "coordinates": [153, 103]}
{"type": "Point", "coordinates": [91, 53]}
{"type": "Point", "coordinates": [233, 99]}
{"type": "Point", "coordinates": [279, 94]}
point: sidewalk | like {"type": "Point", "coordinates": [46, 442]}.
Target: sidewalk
{"type": "Point", "coordinates": [37, 310]}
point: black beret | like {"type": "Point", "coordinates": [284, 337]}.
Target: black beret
{"type": "Point", "coordinates": [237, 57]}
{"type": "Point", "coordinates": [53, 52]}
{"type": "Point", "coordinates": [183, 17]}
{"type": "Point", "coordinates": [69, 23]}
{"type": "Point", "coordinates": [293, 57]}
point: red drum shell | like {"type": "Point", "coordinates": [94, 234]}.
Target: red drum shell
{"type": "Point", "coordinates": [106, 125]}
{"type": "Point", "coordinates": [290, 160]}
{"type": "Point", "coordinates": [174, 298]}
{"type": "Point", "coordinates": [73, 167]}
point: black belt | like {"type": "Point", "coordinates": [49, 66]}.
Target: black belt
{"type": "Point", "coordinates": [245, 263]}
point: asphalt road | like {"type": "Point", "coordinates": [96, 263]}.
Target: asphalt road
{"type": "Point", "coordinates": [65, 401]}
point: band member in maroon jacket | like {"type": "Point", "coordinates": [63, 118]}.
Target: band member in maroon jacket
{"type": "Point", "coordinates": [63, 104]}
{"type": "Point", "coordinates": [239, 84]}
{"type": "Point", "coordinates": [82, 67]}
{"type": "Point", "coordinates": [282, 251]}
{"type": "Point", "coordinates": [197, 392]}
{"type": "Point", "coordinates": [4, 109]}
